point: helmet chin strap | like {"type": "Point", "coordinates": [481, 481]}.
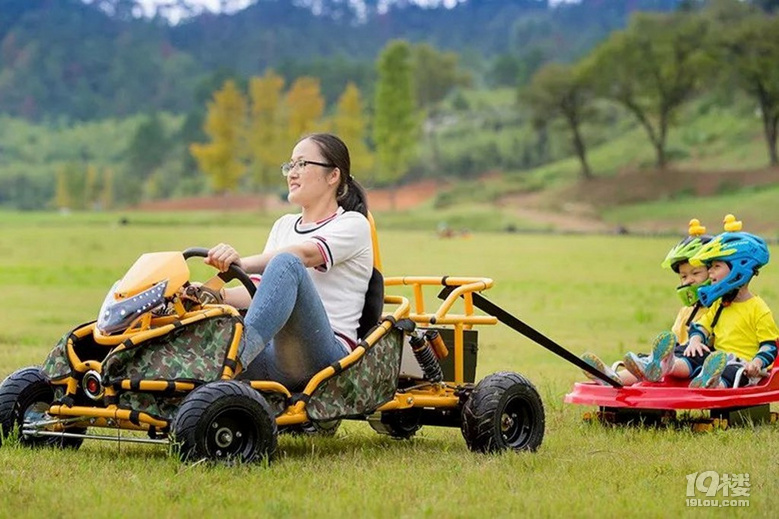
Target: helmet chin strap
{"type": "Point", "coordinates": [730, 296]}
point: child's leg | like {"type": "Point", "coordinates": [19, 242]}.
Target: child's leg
{"type": "Point", "coordinates": [684, 367]}
{"type": "Point", "coordinates": [711, 373]}
{"type": "Point", "coordinates": [687, 367]}
{"type": "Point", "coordinates": [635, 364]}
{"type": "Point", "coordinates": [594, 361]}
{"type": "Point", "coordinates": [731, 369]}
{"type": "Point", "coordinates": [662, 360]}
{"type": "Point", "coordinates": [628, 378]}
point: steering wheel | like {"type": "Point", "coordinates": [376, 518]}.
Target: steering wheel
{"type": "Point", "coordinates": [219, 281]}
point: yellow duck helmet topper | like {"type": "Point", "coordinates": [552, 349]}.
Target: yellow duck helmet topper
{"type": "Point", "coordinates": [688, 247]}
{"type": "Point", "coordinates": [730, 224]}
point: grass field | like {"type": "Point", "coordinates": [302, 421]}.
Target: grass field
{"type": "Point", "coordinates": [606, 294]}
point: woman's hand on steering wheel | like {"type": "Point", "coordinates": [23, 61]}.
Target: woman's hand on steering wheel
{"type": "Point", "coordinates": [222, 256]}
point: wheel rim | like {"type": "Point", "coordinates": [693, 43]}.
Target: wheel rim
{"type": "Point", "coordinates": [516, 423]}
{"type": "Point", "coordinates": [35, 412]}
{"type": "Point", "coordinates": [232, 434]}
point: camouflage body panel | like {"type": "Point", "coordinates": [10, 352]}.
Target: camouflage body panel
{"type": "Point", "coordinates": [363, 386]}
{"type": "Point", "coordinates": [193, 352]}
{"type": "Point", "coordinates": [56, 366]}
{"type": "Point", "coordinates": [158, 406]}
{"type": "Point", "coordinates": [278, 402]}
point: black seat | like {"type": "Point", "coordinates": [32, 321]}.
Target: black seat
{"type": "Point", "coordinates": [374, 304]}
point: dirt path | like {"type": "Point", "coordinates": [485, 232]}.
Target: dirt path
{"type": "Point", "coordinates": [574, 217]}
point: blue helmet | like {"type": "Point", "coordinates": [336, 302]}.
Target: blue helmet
{"type": "Point", "coordinates": [744, 253]}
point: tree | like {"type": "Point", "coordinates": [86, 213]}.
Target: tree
{"type": "Point", "coordinates": [221, 159]}
{"type": "Point", "coordinates": [395, 125]}
{"type": "Point", "coordinates": [749, 48]}
{"type": "Point", "coordinates": [148, 148]}
{"type": "Point", "coordinates": [435, 74]}
{"type": "Point", "coordinates": [560, 91]}
{"type": "Point", "coordinates": [767, 5]}
{"type": "Point", "coordinates": [107, 192]}
{"type": "Point", "coordinates": [652, 68]}
{"type": "Point", "coordinates": [305, 105]}
{"type": "Point", "coordinates": [71, 183]}
{"type": "Point", "coordinates": [267, 141]}
{"type": "Point", "coordinates": [90, 187]}
{"type": "Point", "coordinates": [351, 126]}
{"type": "Point", "coordinates": [62, 198]}
{"type": "Point", "coordinates": [504, 71]}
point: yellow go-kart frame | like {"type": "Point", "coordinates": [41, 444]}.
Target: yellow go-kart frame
{"type": "Point", "coordinates": [220, 416]}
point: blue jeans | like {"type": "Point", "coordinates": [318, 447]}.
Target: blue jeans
{"type": "Point", "coordinates": [287, 334]}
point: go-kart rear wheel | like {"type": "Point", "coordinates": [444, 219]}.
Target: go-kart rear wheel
{"type": "Point", "coordinates": [503, 412]}
{"type": "Point", "coordinates": [402, 424]}
{"type": "Point", "coordinates": [225, 421]}
{"type": "Point", "coordinates": [25, 396]}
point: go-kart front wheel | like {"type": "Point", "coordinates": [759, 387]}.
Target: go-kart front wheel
{"type": "Point", "coordinates": [25, 396]}
{"type": "Point", "coordinates": [503, 412]}
{"type": "Point", "coordinates": [225, 421]}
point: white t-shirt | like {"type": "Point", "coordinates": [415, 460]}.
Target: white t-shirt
{"type": "Point", "coordinates": [344, 240]}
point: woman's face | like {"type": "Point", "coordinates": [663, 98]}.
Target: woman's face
{"type": "Point", "coordinates": [310, 182]}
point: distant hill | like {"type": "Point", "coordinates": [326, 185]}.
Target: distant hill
{"type": "Point", "coordinates": [67, 59]}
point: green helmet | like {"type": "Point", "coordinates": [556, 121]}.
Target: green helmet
{"type": "Point", "coordinates": [682, 252]}
{"type": "Point", "coordinates": [686, 249]}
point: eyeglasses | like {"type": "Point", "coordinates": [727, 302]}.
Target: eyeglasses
{"type": "Point", "coordinates": [289, 167]}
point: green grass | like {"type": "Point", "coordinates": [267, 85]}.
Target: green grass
{"type": "Point", "coordinates": [755, 206]}
{"type": "Point", "coordinates": [605, 294]}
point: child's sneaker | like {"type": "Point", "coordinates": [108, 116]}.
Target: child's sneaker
{"type": "Point", "coordinates": [710, 374]}
{"type": "Point", "coordinates": [636, 365]}
{"type": "Point", "coordinates": [595, 362]}
{"type": "Point", "coordinates": [662, 357]}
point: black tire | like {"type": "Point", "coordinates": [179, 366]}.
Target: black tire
{"type": "Point", "coordinates": [225, 421]}
{"type": "Point", "coordinates": [327, 428]}
{"type": "Point", "coordinates": [402, 424]}
{"type": "Point", "coordinates": [27, 393]}
{"type": "Point", "coordinates": [503, 412]}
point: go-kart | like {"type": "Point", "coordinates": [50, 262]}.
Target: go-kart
{"type": "Point", "coordinates": [657, 403]}
{"type": "Point", "coordinates": [160, 364]}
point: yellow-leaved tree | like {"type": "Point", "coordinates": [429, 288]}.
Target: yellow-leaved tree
{"type": "Point", "coordinates": [350, 124]}
{"type": "Point", "coordinates": [90, 187]}
{"type": "Point", "coordinates": [305, 106]}
{"type": "Point", "coordinates": [222, 158]}
{"type": "Point", "coordinates": [62, 197]}
{"type": "Point", "coordinates": [267, 142]}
